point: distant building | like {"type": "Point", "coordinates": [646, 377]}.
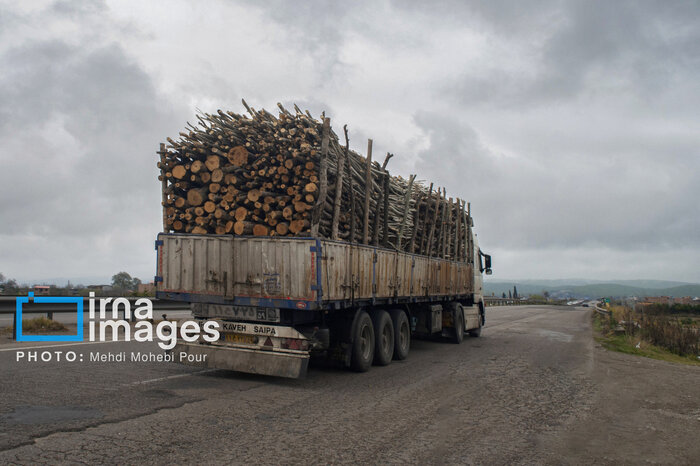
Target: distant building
{"type": "Point", "coordinates": [147, 288]}
{"type": "Point", "coordinates": [99, 287]}
{"type": "Point", "coordinates": [41, 290]}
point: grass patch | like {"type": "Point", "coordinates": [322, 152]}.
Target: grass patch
{"type": "Point", "coordinates": [628, 344]}
{"type": "Point", "coordinates": [42, 324]}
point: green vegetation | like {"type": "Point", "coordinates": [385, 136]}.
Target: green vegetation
{"type": "Point", "coordinates": [636, 341]}
{"type": "Point", "coordinates": [42, 324]}
{"type": "Point", "coordinates": [675, 309]}
{"type": "Point", "coordinates": [124, 281]}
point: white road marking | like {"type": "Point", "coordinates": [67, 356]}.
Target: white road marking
{"type": "Point", "coordinates": [141, 382]}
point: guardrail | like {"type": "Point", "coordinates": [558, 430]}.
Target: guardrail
{"type": "Point", "coordinates": [602, 311]}
{"type": "Point", "coordinates": [496, 301]}
{"type": "Point", "coordinates": [8, 305]}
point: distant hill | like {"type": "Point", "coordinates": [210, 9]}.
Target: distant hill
{"type": "Point", "coordinates": [622, 288]}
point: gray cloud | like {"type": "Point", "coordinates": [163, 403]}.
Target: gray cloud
{"type": "Point", "coordinates": [582, 48]}
{"type": "Point", "coordinates": [571, 126]}
{"type": "Point", "coordinates": [79, 127]}
{"type": "Point", "coordinates": [521, 202]}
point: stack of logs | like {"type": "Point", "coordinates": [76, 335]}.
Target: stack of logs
{"type": "Point", "coordinates": [290, 176]}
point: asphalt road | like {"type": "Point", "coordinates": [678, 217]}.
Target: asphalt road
{"type": "Point", "coordinates": [535, 388]}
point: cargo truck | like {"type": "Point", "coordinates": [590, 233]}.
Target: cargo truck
{"type": "Point", "coordinates": [280, 300]}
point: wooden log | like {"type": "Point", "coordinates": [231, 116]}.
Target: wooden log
{"type": "Point", "coordinates": [380, 202]}
{"type": "Point", "coordinates": [416, 224]}
{"type": "Point", "coordinates": [212, 162]}
{"type": "Point", "coordinates": [179, 172]}
{"type": "Point", "coordinates": [209, 207]}
{"type": "Point", "coordinates": [432, 226]}
{"type": "Point", "coordinates": [443, 239]}
{"type": "Point", "coordinates": [404, 215]}
{"type": "Point", "coordinates": [298, 226]}
{"type": "Point", "coordinates": [458, 229]}
{"type": "Point", "coordinates": [301, 206]}
{"type": "Point", "coordinates": [228, 227]}
{"type": "Point", "coordinates": [323, 188]}
{"type": "Point", "coordinates": [260, 230]}
{"type": "Point", "coordinates": [196, 197]}
{"type": "Point", "coordinates": [368, 193]}
{"type": "Point", "coordinates": [253, 195]}
{"type": "Point", "coordinates": [468, 237]}
{"type": "Point", "coordinates": [348, 169]}
{"type": "Point", "coordinates": [243, 228]}
{"type": "Point", "coordinates": [217, 175]}
{"type": "Point", "coordinates": [240, 214]}
{"type": "Point", "coordinates": [238, 156]}
{"type": "Point", "coordinates": [281, 155]}
{"type": "Point", "coordinates": [385, 210]}
{"type": "Point", "coordinates": [339, 186]}
{"type": "Point", "coordinates": [421, 248]}
{"type": "Point", "coordinates": [282, 228]}
{"type": "Point", "coordinates": [196, 166]}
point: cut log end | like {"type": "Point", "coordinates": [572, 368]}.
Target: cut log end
{"type": "Point", "coordinates": [260, 230]}
{"type": "Point", "coordinates": [238, 156]}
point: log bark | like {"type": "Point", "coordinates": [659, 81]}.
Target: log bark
{"type": "Point", "coordinates": [317, 211]}
{"type": "Point", "coordinates": [196, 197]}
{"type": "Point", "coordinates": [339, 188]}
{"type": "Point", "coordinates": [368, 194]}
{"type": "Point", "coordinates": [229, 173]}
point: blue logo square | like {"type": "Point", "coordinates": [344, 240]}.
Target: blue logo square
{"type": "Point", "coordinates": [49, 299]}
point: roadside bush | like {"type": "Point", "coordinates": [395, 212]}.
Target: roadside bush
{"type": "Point", "coordinates": [41, 324]}
{"type": "Point", "coordinates": [660, 309]}
{"type": "Point", "coordinates": [671, 334]}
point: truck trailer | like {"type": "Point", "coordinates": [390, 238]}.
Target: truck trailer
{"type": "Point", "coordinates": [280, 300]}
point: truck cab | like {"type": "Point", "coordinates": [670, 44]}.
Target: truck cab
{"type": "Point", "coordinates": [482, 265]}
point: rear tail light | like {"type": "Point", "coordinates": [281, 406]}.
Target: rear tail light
{"type": "Point", "coordinates": [294, 344]}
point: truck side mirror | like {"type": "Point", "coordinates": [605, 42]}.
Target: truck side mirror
{"type": "Point", "coordinates": [488, 272]}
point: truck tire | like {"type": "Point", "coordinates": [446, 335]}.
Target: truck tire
{"type": "Point", "coordinates": [458, 320]}
{"type": "Point", "coordinates": [402, 334]}
{"type": "Point", "coordinates": [383, 337]}
{"type": "Point", "coordinates": [362, 343]}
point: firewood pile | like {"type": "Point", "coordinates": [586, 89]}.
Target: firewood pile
{"type": "Point", "coordinates": [290, 175]}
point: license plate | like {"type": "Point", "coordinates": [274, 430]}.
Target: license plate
{"type": "Point", "coordinates": [239, 338]}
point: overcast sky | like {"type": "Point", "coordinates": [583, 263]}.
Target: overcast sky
{"type": "Point", "coordinates": [573, 128]}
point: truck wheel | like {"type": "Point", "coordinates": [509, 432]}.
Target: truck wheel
{"type": "Point", "coordinates": [383, 337]}
{"type": "Point", "coordinates": [402, 334]}
{"type": "Point", "coordinates": [458, 319]}
{"type": "Point", "coordinates": [362, 344]}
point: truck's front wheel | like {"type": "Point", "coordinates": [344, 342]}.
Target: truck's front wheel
{"type": "Point", "coordinates": [458, 322]}
{"type": "Point", "coordinates": [362, 344]}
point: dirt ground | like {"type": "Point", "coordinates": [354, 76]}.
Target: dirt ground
{"type": "Point", "coordinates": [534, 389]}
